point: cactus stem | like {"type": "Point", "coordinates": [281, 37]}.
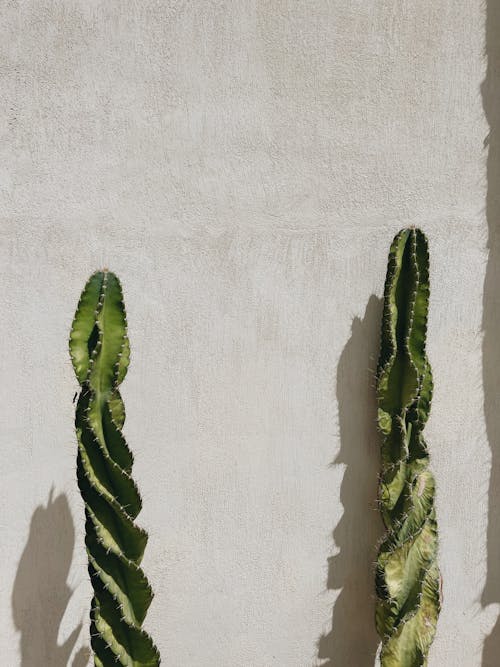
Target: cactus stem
{"type": "Point", "coordinates": [99, 351]}
{"type": "Point", "coordinates": [408, 599]}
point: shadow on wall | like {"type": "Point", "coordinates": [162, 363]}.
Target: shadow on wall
{"type": "Point", "coordinates": [491, 321]}
{"type": "Point", "coordinates": [353, 639]}
{"type": "Point", "coordinates": [41, 594]}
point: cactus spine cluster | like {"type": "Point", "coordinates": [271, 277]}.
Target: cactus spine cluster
{"type": "Point", "coordinates": [100, 353]}
{"type": "Point", "coordinates": [407, 573]}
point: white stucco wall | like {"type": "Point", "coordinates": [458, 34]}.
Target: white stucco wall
{"type": "Point", "coordinates": [242, 166]}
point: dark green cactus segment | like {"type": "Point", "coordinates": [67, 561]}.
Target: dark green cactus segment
{"type": "Point", "coordinates": [100, 353]}
{"type": "Point", "coordinates": [407, 574]}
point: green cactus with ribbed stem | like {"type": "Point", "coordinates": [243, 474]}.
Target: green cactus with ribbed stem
{"type": "Point", "coordinates": [99, 349]}
{"type": "Point", "coordinates": [407, 573]}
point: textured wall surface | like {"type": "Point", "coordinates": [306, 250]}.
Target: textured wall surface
{"type": "Point", "coordinates": [242, 166]}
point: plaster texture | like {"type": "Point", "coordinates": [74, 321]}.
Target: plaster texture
{"type": "Point", "coordinates": [243, 167]}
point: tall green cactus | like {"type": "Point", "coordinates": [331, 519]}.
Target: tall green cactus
{"type": "Point", "coordinates": [407, 573]}
{"type": "Point", "coordinates": [99, 349]}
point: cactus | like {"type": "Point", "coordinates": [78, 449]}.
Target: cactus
{"type": "Point", "coordinates": [99, 349]}
{"type": "Point", "coordinates": [407, 574]}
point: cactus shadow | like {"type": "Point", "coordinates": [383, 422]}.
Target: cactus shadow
{"type": "Point", "coordinates": [353, 639]}
{"type": "Point", "coordinates": [40, 593]}
{"type": "Point", "coordinates": [490, 91]}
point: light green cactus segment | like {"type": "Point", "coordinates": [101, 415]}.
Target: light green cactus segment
{"type": "Point", "coordinates": [407, 574]}
{"type": "Point", "coordinates": [100, 353]}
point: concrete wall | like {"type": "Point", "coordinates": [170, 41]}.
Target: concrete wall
{"type": "Point", "coordinates": [243, 166]}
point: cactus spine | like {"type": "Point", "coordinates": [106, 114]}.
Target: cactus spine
{"type": "Point", "coordinates": [407, 573]}
{"type": "Point", "coordinates": [100, 353]}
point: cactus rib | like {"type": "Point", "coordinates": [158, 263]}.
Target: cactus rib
{"type": "Point", "coordinates": [407, 573]}
{"type": "Point", "coordinates": [99, 350]}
